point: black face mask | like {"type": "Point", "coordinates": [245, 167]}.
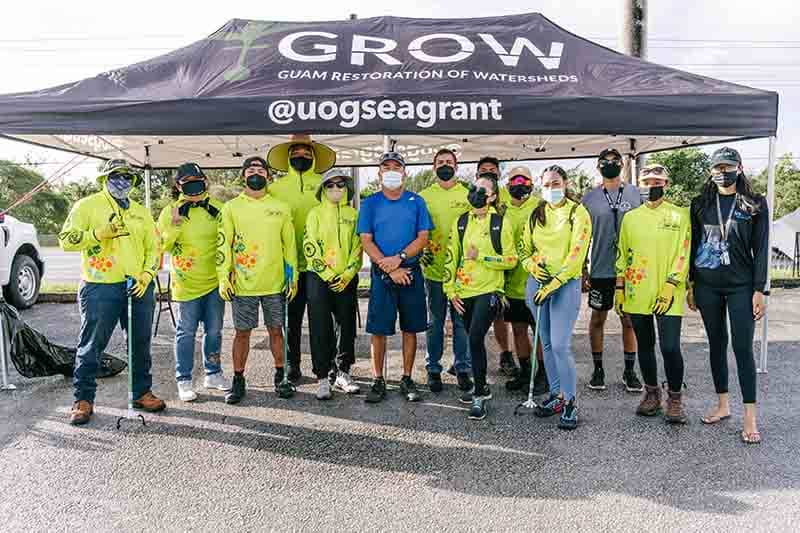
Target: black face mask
{"type": "Point", "coordinates": [477, 197]}
{"type": "Point", "coordinates": [726, 179]}
{"type": "Point", "coordinates": [610, 170]}
{"type": "Point", "coordinates": [652, 194]}
{"type": "Point", "coordinates": [301, 164]}
{"type": "Point", "coordinates": [518, 192]}
{"type": "Point", "coordinates": [256, 182]}
{"type": "Point", "coordinates": [193, 188]}
{"type": "Point", "coordinates": [488, 175]}
{"type": "Point", "coordinates": [445, 173]}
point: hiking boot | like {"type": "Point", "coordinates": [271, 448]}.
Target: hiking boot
{"type": "Point", "coordinates": [377, 392]}
{"type": "Point", "coordinates": [464, 382]}
{"type": "Point", "coordinates": [631, 381]}
{"type": "Point", "coordinates": [286, 388]}
{"type": "Point", "coordinates": [674, 413]}
{"type": "Point", "coordinates": [409, 388]}
{"type": "Point", "coordinates": [651, 402]}
{"type": "Point", "coordinates": [295, 374]}
{"type": "Point", "coordinates": [540, 384]}
{"type": "Point", "coordinates": [569, 416]}
{"type": "Point", "coordinates": [217, 381]}
{"type": "Point", "coordinates": [522, 380]}
{"type": "Point", "coordinates": [344, 382]}
{"type": "Point", "coordinates": [435, 382]}
{"type": "Point", "coordinates": [324, 391]}
{"type": "Point", "coordinates": [185, 392]}
{"type": "Point", "coordinates": [238, 390]}
{"type": "Point", "coordinates": [507, 364]}
{"type": "Point", "coordinates": [553, 405]}
{"type": "Point", "coordinates": [478, 409]}
{"type": "Point", "coordinates": [598, 381]}
{"type": "Point", "coordinates": [81, 412]}
{"type": "Point", "coordinates": [149, 402]}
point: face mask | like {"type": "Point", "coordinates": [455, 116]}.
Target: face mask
{"type": "Point", "coordinates": [726, 179]}
{"type": "Point", "coordinates": [256, 182]}
{"type": "Point", "coordinates": [193, 188]}
{"type": "Point", "coordinates": [610, 170]}
{"type": "Point", "coordinates": [445, 173]}
{"type": "Point", "coordinates": [488, 175]}
{"type": "Point", "coordinates": [119, 187]}
{"type": "Point", "coordinates": [553, 196]}
{"type": "Point", "coordinates": [651, 194]}
{"type": "Point", "coordinates": [477, 197]}
{"type": "Point", "coordinates": [518, 192]}
{"type": "Point", "coordinates": [301, 164]}
{"type": "Point", "coordinates": [392, 179]}
{"type": "Point", "coordinates": [335, 194]}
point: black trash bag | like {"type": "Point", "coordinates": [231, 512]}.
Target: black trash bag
{"type": "Point", "coordinates": [34, 356]}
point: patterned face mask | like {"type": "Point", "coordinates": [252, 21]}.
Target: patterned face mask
{"type": "Point", "coordinates": [119, 187]}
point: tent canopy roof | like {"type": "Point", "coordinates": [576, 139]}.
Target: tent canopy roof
{"type": "Point", "coordinates": [517, 87]}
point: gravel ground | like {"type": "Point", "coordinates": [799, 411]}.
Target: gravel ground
{"type": "Point", "coordinates": [270, 464]}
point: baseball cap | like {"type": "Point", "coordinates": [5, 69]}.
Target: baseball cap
{"type": "Point", "coordinates": [392, 156]}
{"type": "Point", "coordinates": [519, 171]}
{"type": "Point", "coordinates": [189, 170]}
{"type": "Point", "coordinates": [726, 156]}
{"type": "Point", "coordinates": [120, 166]}
{"type": "Point", "coordinates": [608, 151]}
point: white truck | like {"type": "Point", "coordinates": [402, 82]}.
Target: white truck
{"type": "Point", "coordinates": [21, 262]}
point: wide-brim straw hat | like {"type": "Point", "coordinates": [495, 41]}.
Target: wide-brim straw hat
{"type": "Point", "coordinates": [324, 156]}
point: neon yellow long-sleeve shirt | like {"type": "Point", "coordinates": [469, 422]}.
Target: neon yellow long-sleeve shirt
{"type": "Point", "coordinates": [519, 216]}
{"type": "Point", "coordinates": [299, 192]}
{"type": "Point", "coordinates": [255, 242]}
{"type": "Point", "coordinates": [561, 244]}
{"type": "Point", "coordinates": [331, 245]}
{"type": "Point", "coordinates": [654, 248]}
{"type": "Point", "coordinates": [445, 206]}
{"type": "Point", "coordinates": [192, 247]}
{"type": "Point", "coordinates": [111, 261]}
{"type": "Point", "coordinates": [485, 274]}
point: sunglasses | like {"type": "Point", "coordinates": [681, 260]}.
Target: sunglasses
{"type": "Point", "coordinates": [122, 175]}
{"type": "Point", "coordinates": [520, 180]}
{"type": "Point", "coordinates": [337, 184]}
{"type": "Point", "coordinates": [655, 171]}
{"type": "Point", "coordinates": [607, 162]}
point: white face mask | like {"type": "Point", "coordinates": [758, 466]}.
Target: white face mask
{"type": "Point", "coordinates": [392, 179]}
{"type": "Point", "coordinates": [552, 196]}
{"type": "Point", "coordinates": [335, 194]}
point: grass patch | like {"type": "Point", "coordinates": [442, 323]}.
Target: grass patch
{"type": "Point", "coordinates": [59, 288]}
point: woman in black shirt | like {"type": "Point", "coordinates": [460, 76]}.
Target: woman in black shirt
{"type": "Point", "coordinates": [730, 243]}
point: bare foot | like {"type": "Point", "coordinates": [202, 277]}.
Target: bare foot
{"type": "Point", "coordinates": [717, 415]}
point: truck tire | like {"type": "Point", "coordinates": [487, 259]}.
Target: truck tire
{"type": "Point", "coordinates": [23, 287]}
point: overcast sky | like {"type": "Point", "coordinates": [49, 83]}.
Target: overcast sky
{"type": "Point", "coordinates": [47, 43]}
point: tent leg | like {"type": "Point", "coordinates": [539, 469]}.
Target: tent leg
{"type": "Point", "coordinates": [762, 365]}
{"type": "Point", "coordinates": [147, 177]}
{"type": "Point", "coordinates": [4, 384]}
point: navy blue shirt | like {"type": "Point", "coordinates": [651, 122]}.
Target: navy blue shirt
{"type": "Point", "coordinates": [394, 224]}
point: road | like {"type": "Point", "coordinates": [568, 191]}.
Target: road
{"type": "Point", "coordinates": [342, 465]}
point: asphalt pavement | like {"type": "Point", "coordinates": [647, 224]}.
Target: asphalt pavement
{"type": "Point", "coordinates": [342, 465]}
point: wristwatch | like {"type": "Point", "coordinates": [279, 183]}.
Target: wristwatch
{"type": "Point", "coordinates": [403, 255]}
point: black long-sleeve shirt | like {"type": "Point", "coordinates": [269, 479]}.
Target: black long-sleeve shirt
{"type": "Point", "coordinates": [748, 245]}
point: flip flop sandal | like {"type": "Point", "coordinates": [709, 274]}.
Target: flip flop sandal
{"type": "Point", "coordinates": [751, 438]}
{"type": "Point", "coordinates": [711, 420]}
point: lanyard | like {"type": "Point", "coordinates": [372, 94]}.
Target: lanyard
{"type": "Point", "coordinates": [724, 229]}
{"type": "Point", "coordinates": [615, 205]}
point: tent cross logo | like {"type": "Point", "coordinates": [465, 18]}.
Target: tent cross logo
{"type": "Point", "coordinates": [247, 36]}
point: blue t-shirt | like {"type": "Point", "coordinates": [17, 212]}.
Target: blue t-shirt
{"type": "Point", "coordinates": [394, 224]}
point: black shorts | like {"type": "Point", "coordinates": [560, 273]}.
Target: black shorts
{"type": "Point", "coordinates": [518, 312]}
{"type": "Point", "coordinates": [601, 295]}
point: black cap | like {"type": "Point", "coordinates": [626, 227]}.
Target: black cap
{"type": "Point", "coordinates": [726, 156]}
{"type": "Point", "coordinates": [607, 151]}
{"type": "Point", "coordinates": [254, 159]}
{"type": "Point", "coordinates": [392, 156]}
{"type": "Point", "coordinates": [189, 170]}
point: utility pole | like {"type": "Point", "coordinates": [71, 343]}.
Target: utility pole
{"type": "Point", "coordinates": [633, 42]}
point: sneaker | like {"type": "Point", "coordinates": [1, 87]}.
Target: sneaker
{"type": "Point", "coordinates": [81, 412]}
{"type": "Point", "coordinates": [377, 392]}
{"type": "Point", "coordinates": [467, 397]}
{"type": "Point", "coordinates": [540, 384]}
{"type": "Point", "coordinates": [185, 392]}
{"type": "Point", "coordinates": [478, 409]}
{"type": "Point", "coordinates": [238, 390]}
{"type": "Point", "coordinates": [324, 392]}
{"type": "Point", "coordinates": [409, 388]}
{"type": "Point", "coordinates": [464, 382]}
{"type": "Point", "coordinates": [435, 382]}
{"type": "Point", "coordinates": [452, 370]}
{"type": "Point", "coordinates": [344, 382]}
{"type": "Point", "coordinates": [631, 381]}
{"type": "Point", "coordinates": [485, 394]}
{"type": "Point", "coordinates": [332, 375]}
{"type": "Point", "coordinates": [149, 402]}
{"type": "Point", "coordinates": [285, 389]}
{"type": "Point", "coordinates": [507, 364]}
{"type": "Point", "coordinates": [598, 381]}
{"type": "Point", "coordinates": [217, 381]}
{"type": "Point", "coordinates": [552, 406]}
{"type": "Point", "coordinates": [569, 416]}
{"type": "Point", "coordinates": [522, 380]}
{"type": "Point", "coordinates": [295, 374]}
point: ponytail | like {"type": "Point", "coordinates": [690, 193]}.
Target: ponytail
{"type": "Point", "coordinates": [539, 212]}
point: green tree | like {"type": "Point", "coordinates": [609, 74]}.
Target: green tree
{"type": "Point", "coordinates": [688, 169]}
{"type": "Point", "coordinates": [787, 185]}
{"type": "Point", "coordinates": [46, 210]}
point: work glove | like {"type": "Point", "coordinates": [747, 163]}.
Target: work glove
{"type": "Point", "coordinates": [545, 291]}
{"type": "Point", "coordinates": [540, 273]}
{"type": "Point", "coordinates": [341, 282]}
{"type": "Point", "coordinates": [665, 299]}
{"type": "Point", "coordinates": [109, 231]}
{"type": "Point", "coordinates": [140, 283]}
{"type": "Point", "coordinates": [619, 300]}
{"type": "Point", "coordinates": [291, 291]}
{"type": "Point", "coordinates": [225, 289]}
{"type": "Point", "coordinates": [427, 257]}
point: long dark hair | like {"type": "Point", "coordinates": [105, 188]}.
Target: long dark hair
{"type": "Point", "coordinates": [496, 203]}
{"type": "Point", "coordinates": [747, 199]}
{"type": "Point", "coordinates": [539, 212]}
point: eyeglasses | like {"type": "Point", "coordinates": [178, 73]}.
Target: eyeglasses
{"type": "Point", "coordinates": [655, 171]}
{"type": "Point", "coordinates": [337, 184]}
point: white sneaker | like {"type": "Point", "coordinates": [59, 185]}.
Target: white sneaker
{"type": "Point", "coordinates": [185, 392]}
{"type": "Point", "coordinates": [346, 384]}
{"type": "Point", "coordinates": [217, 381]}
{"type": "Point", "coordinates": [324, 392]}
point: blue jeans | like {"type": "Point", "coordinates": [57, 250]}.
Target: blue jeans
{"type": "Point", "coordinates": [103, 306]}
{"type": "Point", "coordinates": [210, 310]}
{"type": "Point", "coordinates": [437, 307]}
{"type": "Point", "coordinates": [557, 317]}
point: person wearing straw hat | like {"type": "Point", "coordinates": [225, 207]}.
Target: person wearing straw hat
{"type": "Point", "coordinates": [304, 162]}
{"type": "Point", "coordinates": [188, 228]}
{"type": "Point", "coordinates": [652, 268]}
{"type": "Point", "coordinates": [116, 237]}
{"type": "Point", "coordinates": [334, 254]}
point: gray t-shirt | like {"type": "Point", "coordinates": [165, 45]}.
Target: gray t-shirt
{"type": "Point", "coordinates": [604, 232]}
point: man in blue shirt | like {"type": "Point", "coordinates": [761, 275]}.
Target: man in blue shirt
{"type": "Point", "coordinates": [394, 225]}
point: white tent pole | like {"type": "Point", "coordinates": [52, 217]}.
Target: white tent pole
{"type": "Point", "coordinates": [762, 366]}
{"type": "Point", "coordinates": [147, 177]}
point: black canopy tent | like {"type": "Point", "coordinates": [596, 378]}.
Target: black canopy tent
{"type": "Point", "coordinates": [517, 87]}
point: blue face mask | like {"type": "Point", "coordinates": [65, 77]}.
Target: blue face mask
{"type": "Point", "coordinates": [553, 196]}
{"type": "Point", "coordinates": [119, 188]}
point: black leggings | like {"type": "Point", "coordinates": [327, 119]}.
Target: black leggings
{"type": "Point", "coordinates": [479, 313]}
{"type": "Point", "coordinates": [669, 337]}
{"type": "Point", "coordinates": [327, 309]}
{"type": "Point", "coordinates": [712, 303]}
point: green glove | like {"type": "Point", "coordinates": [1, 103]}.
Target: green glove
{"type": "Point", "coordinates": [225, 289]}
{"type": "Point", "coordinates": [142, 281]}
{"type": "Point", "coordinates": [665, 299]}
{"type": "Point", "coordinates": [545, 291]}
{"type": "Point", "coordinates": [619, 301]}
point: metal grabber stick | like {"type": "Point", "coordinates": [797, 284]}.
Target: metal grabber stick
{"type": "Point", "coordinates": [530, 403]}
{"type": "Point", "coordinates": [130, 414]}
